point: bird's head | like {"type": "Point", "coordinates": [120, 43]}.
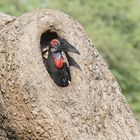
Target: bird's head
{"type": "Point", "coordinates": [59, 45]}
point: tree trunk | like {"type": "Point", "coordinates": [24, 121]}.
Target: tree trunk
{"type": "Point", "coordinates": [33, 107]}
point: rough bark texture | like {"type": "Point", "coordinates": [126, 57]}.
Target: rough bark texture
{"type": "Point", "coordinates": [32, 107]}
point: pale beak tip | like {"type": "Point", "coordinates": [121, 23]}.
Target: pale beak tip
{"type": "Point", "coordinates": [69, 82]}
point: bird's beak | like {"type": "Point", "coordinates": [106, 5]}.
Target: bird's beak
{"type": "Point", "coordinates": [68, 48]}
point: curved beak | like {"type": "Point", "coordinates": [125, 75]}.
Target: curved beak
{"type": "Point", "coordinates": [67, 47]}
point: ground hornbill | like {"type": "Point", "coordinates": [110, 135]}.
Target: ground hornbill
{"type": "Point", "coordinates": [55, 53]}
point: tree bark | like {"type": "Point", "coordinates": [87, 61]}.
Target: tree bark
{"type": "Point", "coordinates": [33, 107]}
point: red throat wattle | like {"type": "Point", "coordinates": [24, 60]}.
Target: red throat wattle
{"type": "Point", "coordinates": [58, 60]}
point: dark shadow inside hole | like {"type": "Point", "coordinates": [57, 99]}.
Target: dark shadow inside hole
{"type": "Point", "coordinates": [58, 62]}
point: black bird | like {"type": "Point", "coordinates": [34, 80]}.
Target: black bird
{"type": "Point", "coordinates": [54, 61]}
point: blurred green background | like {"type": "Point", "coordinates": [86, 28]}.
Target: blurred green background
{"type": "Point", "coordinates": [114, 27]}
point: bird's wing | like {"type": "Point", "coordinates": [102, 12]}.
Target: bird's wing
{"type": "Point", "coordinates": [72, 62]}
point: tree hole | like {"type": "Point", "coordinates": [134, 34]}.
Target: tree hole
{"type": "Point", "coordinates": [56, 58]}
{"type": "Point", "coordinates": [61, 76]}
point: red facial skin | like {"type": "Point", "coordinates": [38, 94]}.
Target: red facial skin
{"type": "Point", "coordinates": [55, 42]}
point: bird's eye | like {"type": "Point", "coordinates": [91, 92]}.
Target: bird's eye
{"type": "Point", "coordinates": [55, 42]}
